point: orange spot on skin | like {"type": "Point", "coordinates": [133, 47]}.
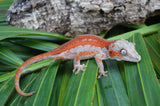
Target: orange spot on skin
{"type": "Point", "coordinates": [100, 60]}
{"type": "Point", "coordinates": [16, 86]}
{"type": "Point", "coordinates": [102, 55]}
{"type": "Point", "coordinates": [57, 57]}
{"type": "Point", "coordinates": [114, 53]}
{"type": "Point", "coordinates": [113, 45]}
{"type": "Point", "coordinates": [68, 51]}
{"type": "Point", "coordinates": [87, 53]}
{"type": "Point", "coordinates": [78, 58]}
{"type": "Point", "coordinates": [62, 57]}
{"type": "Point", "coordinates": [120, 55]}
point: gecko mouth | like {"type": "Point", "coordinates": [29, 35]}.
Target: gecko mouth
{"type": "Point", "coordinates": [133, 59]}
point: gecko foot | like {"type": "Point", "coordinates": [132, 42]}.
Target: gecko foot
{"type": "Point", "coordinates": [78, 68]}
{"type": "Point", "coordinates": [104, 74]}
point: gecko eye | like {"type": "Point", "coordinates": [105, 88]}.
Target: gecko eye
{"type": "Point", "coordinates": [123, 51]}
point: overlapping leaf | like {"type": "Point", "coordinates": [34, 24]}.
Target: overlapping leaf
{"type": "Point", "coordinates": [153, 46]}
{"type": "Point", "coordinates": [142, 84]}
{"type": "Point", "coordinates": [8, 57]}
{"type": "Point", "coordinates": [13, 32]}
{"type": "Point", "coordinates": [139, 85]}
{"type": "Point", "coordinates": [143, 31]}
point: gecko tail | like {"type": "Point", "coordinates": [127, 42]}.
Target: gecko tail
{"type": "Point", "coordinates": [25, 94]}
{"type": "Point", "coordinates": [29, 94]}
{"type": "Point", "coordinates": [18, 89]}
{"type": "Point", "coordinates": [22, 67]}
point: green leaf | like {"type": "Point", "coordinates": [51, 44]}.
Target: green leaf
{"type": "Point", "coordinates": [28, 83]}
{"type": "Point", "coordinates": [112, 87]}
{"type": "Point", "coordinates": [142, 86]}
{"type": "Point", "coordinates": [81, 87]}
{"type": "Point", "coordinates": [4, 4]}
{"type": "Point", "coordinates": [65, 76]}
{"type": "Point", "coordinates": [5, 90]}
{"type": "Point", "coordinates": [7, 76]}
{"type": "Point", "coordinates": [2, 17]}
{"type": "Point", "coordinates": [98, 96]}
{"type": "Point", "coordinates": [145, 82]}
{"type": "Point", "coordinates": [5, 68]}
{"type": "Point", "coordinates": [134, 86]}
{"type": "Point", "coordinates": [143, 31]}
{"type": "Point", "coordinates": [44, 92]}
{"type": "Point", "coordinates": [154, 51]}
{"type": "Point", "coordinates": [86, 87]}
{"type": "Point", "coordinates": [135, 26]}
{"type": "Point", "coordinates": [30, 68]}
{"type": "Point", "coordinates": [58, 89]}
{"type": "Point", "coordinates": [8, 57]}
{"type": "Point", "coordinates": [13, 32]}
{"type": "Point", "coordinates": [158, 37]}
{"type": "Point", "coordinates": [37, 44]}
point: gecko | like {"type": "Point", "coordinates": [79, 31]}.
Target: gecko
{"type": "Point", "coordinates": [81, 48]}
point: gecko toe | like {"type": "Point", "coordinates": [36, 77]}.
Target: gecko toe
{"type": "Point", "coordinates": [74, 69]}
{"type": "Point", "coordinates": [79, 67]}
{"type": "Point", "coordinates": [104, 74]}
{"type": "Point", "coordinates": [78, 71]}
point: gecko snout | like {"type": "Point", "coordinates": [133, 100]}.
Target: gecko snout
{"type": "Point", "coordinates": [138, 58]}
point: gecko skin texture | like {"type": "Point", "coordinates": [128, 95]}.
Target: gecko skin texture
{"type": "Point", "coordinates": [85, 47]}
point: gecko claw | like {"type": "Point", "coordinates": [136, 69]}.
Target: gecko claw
{"type": "Point", "coordinates": [104, 74]}
{"type": "Point", "coordinates": [79, 67]}
{"type": "Point", "coordinates": [74, 69]}
{"type": "Point", "coordinates": [77, 71]}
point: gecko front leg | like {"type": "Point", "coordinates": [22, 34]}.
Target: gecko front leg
{"type": "Point", "coordinates": [101, 67]}
{"type": "Point", "coordinates": [77, 65]}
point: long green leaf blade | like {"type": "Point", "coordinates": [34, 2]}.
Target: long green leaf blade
{"type": "Point", "coordinates": [11, 32]}
{"type": "Point", "coordinates": [143, 31]}
{"type": "Point", "coordinates": [81, 87]}
{"type": "Point", "coordinates": [37, 44]}
{"type": "Point", "coordinates": [150, 85]}
{"type": "Point", "coordinates": [65, 76]}
{"type": "Point", "coordinates": [113, 87]}
{"type": "Point", "coordinates": [71, 90]}
{"type": "Point", "coordinates": [134, 86]}
{"type": "Point", "coordinates": [6, 90]}
{"type": "Point", "coordinates": [32, 67]}
{"type": "Point", "coordinates": [87, 85]}
{"type": "Point", "coordinates": [98, 96]}
{"type": "Point", "coordinates": [154, 50]}
{"type": "Point", "coordinates": [8, 57]}
{"type": "Point", "coordinates": [133, 82]}
{"type": "Point", "coordinates": [44, 92]}
{"type": "Point", "coordinates": [28, 83]}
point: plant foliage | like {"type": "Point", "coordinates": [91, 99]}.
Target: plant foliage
{"type": "Point", "coordinates": [127, 84]}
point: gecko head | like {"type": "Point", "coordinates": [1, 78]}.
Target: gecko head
{"type": "Point", "coordinates": [123, 50]}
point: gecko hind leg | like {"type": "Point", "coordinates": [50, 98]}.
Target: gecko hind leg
{"type": "Point", "coordinates": [101, 67]}
{"type": "Point", "coordinates": [77, 65]}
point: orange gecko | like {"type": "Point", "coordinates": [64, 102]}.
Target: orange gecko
{"type": "Point", "coordinates": [84, 47]}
